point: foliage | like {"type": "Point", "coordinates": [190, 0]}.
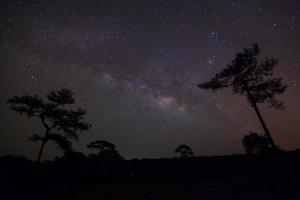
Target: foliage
{"type": "Point", "coordinates": [61, 123]}
{"type": "Point", "coordinates": [101, 145]}
{"type": "Point", "coordinates": [72, 157]}
{"type": "Point", "coordinates": [105, 150]}
{"type": "Point", "coordinates": [184, 150]}
{"type": "Point", "coordinates": [247, 73]}
{"type": "Point", "coordinates": [255, 143]}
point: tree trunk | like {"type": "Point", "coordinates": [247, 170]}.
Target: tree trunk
{"type": "Point", "coordinates": [38, 160]}
{"type": "Point", "coordinates": [45, 139]}
{"type": "Point", "coordinates": [254, 105]}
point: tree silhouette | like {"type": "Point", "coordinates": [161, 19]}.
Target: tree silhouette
{"type": "Point", "coordinates": [184, 150]}
{"type": "Point", "coordinates": [247, 76]}
{"type": "Point", "coordinates": [105, 150]}
{"type": "Point", "coordinates": [61, 123]}
{"type": "Point", "coordinates": [72, 157]}
{"type": "Point", "coordinates": [101, 145]}
{"type": "Point", "coordinates": [255, 143]}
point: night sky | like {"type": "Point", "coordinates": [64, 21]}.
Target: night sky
{"type": "Point", "coordinates": [134, 66]}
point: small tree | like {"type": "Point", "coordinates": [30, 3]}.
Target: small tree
{"type": "Point", "coordinates": [105, 150]}
{"type": "Point", "coordinates": [184, 150]}
{"type": "Point", "coordinates": [61, 123]}
{"type": "Point", "coordinates": [255, 143]}
{"type": "Point", "coordinates": [247, 76]}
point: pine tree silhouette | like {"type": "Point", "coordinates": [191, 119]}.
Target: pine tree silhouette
{"type": "Point", "coordinates": [247, 76]}
{"type": "Point", "coordinates": [61, 123]}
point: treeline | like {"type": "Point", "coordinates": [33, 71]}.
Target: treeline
{"type": "Point", "coordinates": [76, 168]}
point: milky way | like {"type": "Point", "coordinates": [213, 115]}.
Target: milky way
{"type": "Point", "coordinates": [135, 65]}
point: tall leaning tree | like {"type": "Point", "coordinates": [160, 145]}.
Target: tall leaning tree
{"type": "Point", "coordinates": [252, 78]}
{"type": "Point", "coordinates": [60, 122]}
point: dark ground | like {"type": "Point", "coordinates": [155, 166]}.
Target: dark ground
{"type": "Point", "coordinates": [225, 177]}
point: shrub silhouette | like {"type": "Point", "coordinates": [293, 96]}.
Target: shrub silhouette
{"type": "Point", "coordinates": [184, 150]}
{"type": "Point", "coordinates": [255, 143]}
{"type": "Point", "coordinates": [105, 150]}
{"type": "Point", "coordinates": [247, 76]}
{"type": "Point", "coordinates": [60, 123]}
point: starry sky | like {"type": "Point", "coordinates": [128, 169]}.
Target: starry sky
{"type": "Point", "coordinates": [134, 66]}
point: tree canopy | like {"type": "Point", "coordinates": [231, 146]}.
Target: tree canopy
{"type": "Point", "coordinates": [105, 150]}
{"type": "Point", "coordinates": [184, 151]}
{"type": "Point", "coordinates": [246, 73]}
{"type": "Point", "coordinates": [61, 123]}
{"type": "Point", "coordinates": [255, 143]}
